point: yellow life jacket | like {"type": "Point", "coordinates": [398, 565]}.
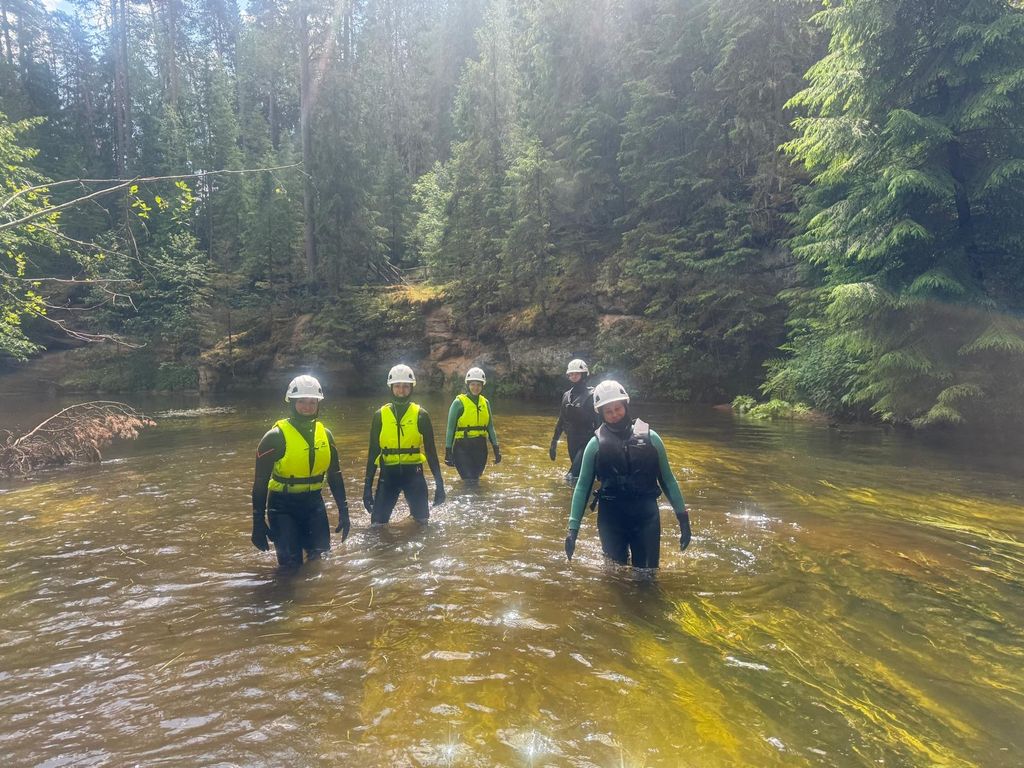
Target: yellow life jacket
{"type": "Point", "coordinates": [292, 472]}
{"type": "Point", "coordinates": [474, 419]}
{"type": "Point", "coordinates": [400, 442]}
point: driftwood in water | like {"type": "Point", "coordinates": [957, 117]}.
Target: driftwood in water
{"type": "Point", "coordinates": [75, 434]}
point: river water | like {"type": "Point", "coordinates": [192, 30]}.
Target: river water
{"type": "Point", "coordinates": [850, 598]}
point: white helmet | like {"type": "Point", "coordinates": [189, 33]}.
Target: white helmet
{"type": "Point", "coordinates": [609, 392]}
{"type": "Point", "coordinates": [476, 374]}
{"type": "Point", "coordinates": [576, 366]}
{"type": "Point", "coordinates": [401, 374]}
{"type": "Point", "coordinates": [304, 386]}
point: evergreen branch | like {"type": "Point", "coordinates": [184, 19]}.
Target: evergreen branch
{"type": "Point", "coordinates": [998, 337]}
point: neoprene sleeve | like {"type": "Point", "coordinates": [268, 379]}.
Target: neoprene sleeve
{"type": "Point", "coordinates": [270, 449]}
{"type": "Point", "coordinates": [455, 413]}
{"type": "Point", "coordinates": [581, 494]}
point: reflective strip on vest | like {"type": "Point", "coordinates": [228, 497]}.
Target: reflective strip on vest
{"type": "Point", "coordinates": [474, 419]}
{"type": "Point", "coordinates": [292, 472]}
{"type": "Point", "coordinates": [400, 442]}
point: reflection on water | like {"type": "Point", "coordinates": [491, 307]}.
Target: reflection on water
{"type": "Point", "coordinates": [848, 599]}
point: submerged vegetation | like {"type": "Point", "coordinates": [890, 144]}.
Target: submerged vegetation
{"type": "Point", "coordinates": [819, 200]}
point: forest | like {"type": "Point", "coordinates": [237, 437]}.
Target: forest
{"type": "Point", "coordinates": [816, 202]}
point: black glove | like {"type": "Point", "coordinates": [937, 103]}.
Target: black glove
{"type": "Point", "coordinates": [368, 500]}
{"type": "Point", "coordinates": [570, 543]}
{"type": "Point", "coordinates": [259, 532]}
{"type": "Point", "coordinates": [553, 450]}
{"type": "Point", "coordinates": [439, 495]}
{"type": "Point", "coordinates": [448, 456]}
{"type": "Point", "coordinates": [344, 524]}
{"type": "Point", "coordinates": [497, 455]}
{"type": "Point", "coordinates": [684, 531]}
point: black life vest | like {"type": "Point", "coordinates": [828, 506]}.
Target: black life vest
{"type": "Point", "coordinates": [627, 465]}
{"type": "Point", "coordinates": [578, 410]}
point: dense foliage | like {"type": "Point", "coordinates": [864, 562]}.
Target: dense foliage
{"type": "Point", "coordinates": [913, 231]}
{"type": "Point", "coordinates": [629, 173]}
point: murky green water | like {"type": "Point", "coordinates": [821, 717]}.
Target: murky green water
{"type": "Point", "coordinates": [849, 599]}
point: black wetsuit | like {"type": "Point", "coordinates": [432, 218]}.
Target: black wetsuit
{"type": "Point", "coordinates": [297, 521]}
{"type": "Point", "coordinates": [633, 469]}
{"type": "Point", "coordinates": [402, 478]}
{"type": "Point", "coordinates": [577, 418]}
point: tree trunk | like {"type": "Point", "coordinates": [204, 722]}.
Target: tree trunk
{"type": "Point", "coordinates": [173, 79]}
{"type": "Point", "coordinates": [305, 118]}
{"type": "Point", "coordinates": [8, 48]}
{"type": "Point", "coordinates": [275, 129]}
{"type": "Point", "coordinates": [122, 111]}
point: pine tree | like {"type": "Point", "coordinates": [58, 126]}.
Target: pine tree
{"type": "Point", "coordinates": [226, 195]}
{"type": "Point", "coordinates": [707, 191]}
{"type": "Point", "coordinates": [911, 232]}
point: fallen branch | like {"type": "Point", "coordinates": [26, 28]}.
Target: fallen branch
{"type": "Point", "coordinates": [76, 433]}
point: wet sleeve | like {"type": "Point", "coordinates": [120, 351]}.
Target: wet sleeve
{"type": "Point", "coordinates": [667, 479]}
{"type": "Point", "coordinates": [427, 430]}
{"type": "Point", "coordinates": [560, 424]}
{"type": "Point", "coordinates": [268, 452]}
{"type": "Point", "coordinates": [581, 495]}
{"type": "Point", "coordinates": [454, 414]}
{"type": "Point", "coordinates": [372, 454]}
{"type": "Point", "coordinates": [491, 434]}
{"type": "Point", "coordinates": [334, 477]}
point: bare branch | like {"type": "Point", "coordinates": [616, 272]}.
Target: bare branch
{"type": "Point", "coordinates": [120, 185]}
{"type": "Point", "coordinates": [52, 184]}
{"type": "Point", "coordinates": [62, 206]}
{"type": "Point", "coordinates": [91, 338]}
{"type": "Point", "coordinates": [67, 281]}
{"type": "Point", "coordinates": [79, 243]}
{"type": "Point", "coordinates": [78, 432]}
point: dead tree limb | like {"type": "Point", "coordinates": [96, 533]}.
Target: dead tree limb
{"type": "Point", "coordinates": [77, 433]}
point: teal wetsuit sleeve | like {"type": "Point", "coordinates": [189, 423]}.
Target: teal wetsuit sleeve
{"type": "Point", "coordinates": [581, 495]}
{"type": "Point", "coordinates": [667, 479]}
{"type": "Point", "coordinates": [491, 434]}
{"type": "Point", "coordinates": [454, 414]}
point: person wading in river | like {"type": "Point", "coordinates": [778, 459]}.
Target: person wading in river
{"type": "Point", "coordinates": [629, 459]}
{"type": "Point", "coordinates": [291, 462]}
{"type": "Point", "coordinates": [470, 425]}
{"type": "Point", "coordinates": [576, 417]}
{"type": "Point", "coordinates": [401, 441]}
